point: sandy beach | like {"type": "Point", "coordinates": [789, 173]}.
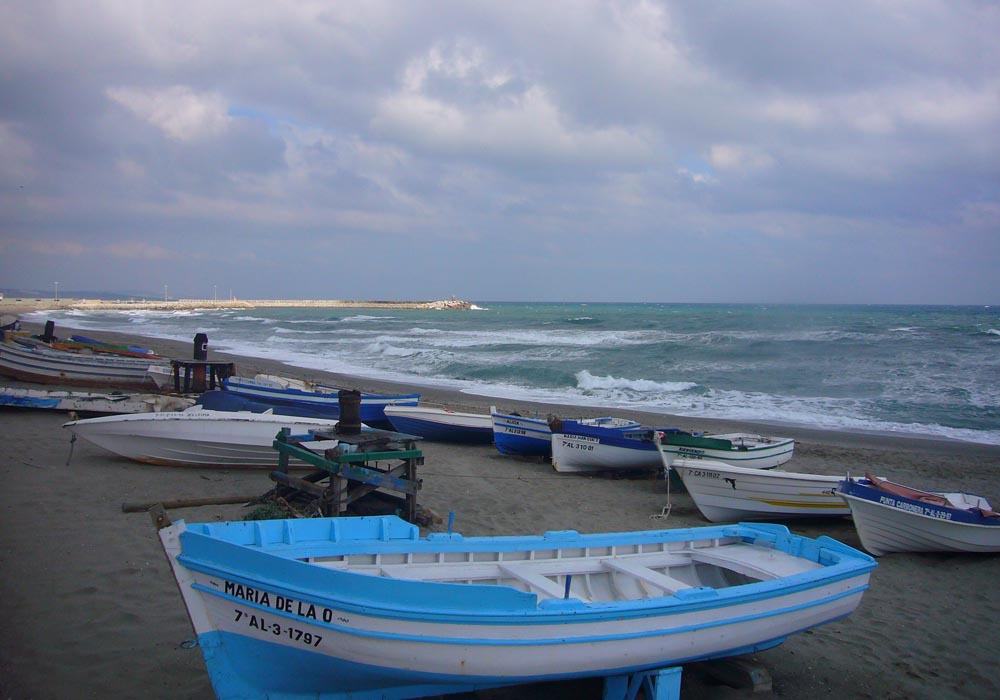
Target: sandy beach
{"type": "Point", "coordinates": [90, 609]}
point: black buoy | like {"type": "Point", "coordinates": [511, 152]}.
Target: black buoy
{"type": "Point", "coordinates": [350, 412]}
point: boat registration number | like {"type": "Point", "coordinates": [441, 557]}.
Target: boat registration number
{"type": "Point", "coordinates": [264, 624]}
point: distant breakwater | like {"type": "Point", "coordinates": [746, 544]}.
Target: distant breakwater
{"type": "Point", "coordinates": [24, 305]}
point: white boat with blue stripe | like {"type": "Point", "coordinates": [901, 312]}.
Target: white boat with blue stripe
{"type": "Point", "coordinates": [521, 436]}
{"type": "Point", "coordinates": [441, 424]}
{"type": "Point", "coordinates": [739, 449]}
{"type": "Point", "coordinates": [321, 400]}
{"type": "Point", "coordinates": [343, 608]}
{"type": "Point", "coordinates": [892, 517]}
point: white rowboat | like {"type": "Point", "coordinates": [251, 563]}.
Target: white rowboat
{"type": "Point", "coordinates": [724, 493]}
{"type": "Point", "coordinates": [344, 608]}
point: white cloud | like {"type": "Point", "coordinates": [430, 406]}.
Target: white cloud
{"type": "Point", "coordinates": [737, 158]}
{"type": "Point", "coordinates": [177, 111]}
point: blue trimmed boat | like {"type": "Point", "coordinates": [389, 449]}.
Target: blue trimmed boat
{"type": "Point", "coordinates": [891, 517]}
{"type": "Point", "coordinates": [441, 424]}
{"type": "Point", "coordinates": [321, 399]}
{"type": "Point", "coordinates": [520, 436]}
{"type": "Point", "coordinates": [338, 608]}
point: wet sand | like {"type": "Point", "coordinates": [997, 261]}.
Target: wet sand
{"type": "Point", "coordinates": [90, 609]}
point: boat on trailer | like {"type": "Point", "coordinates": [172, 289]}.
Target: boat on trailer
{"type": "Point", "coordinates": [724, 493]}
{"type": "Point", "coordinates": [338, 608]}
{"type": "Point", "coordinates": [893, 517]}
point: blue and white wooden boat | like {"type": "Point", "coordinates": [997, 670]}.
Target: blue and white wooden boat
{"type": "Point", "coordinates": [441, 424]}
{"type": "Point", "coordinates": [739, 449]}
{"type": "Point", "coordinates": [320, 397]}
{"type": "Point", "coordinates": [891, 517]}
{"type": "Point", "coordinates": [520, 436]}
{"type": "Point", "coordinates": [578, 447]}
{"type": "Point", "coordinates": [36, 362]}
{"type": "Point", "coordinates": [367, 608]}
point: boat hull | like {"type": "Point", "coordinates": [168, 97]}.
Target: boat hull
{"type": "Point", "coordinates": [194, 438]}
{"type": "Point", "coordinates": [47, 366]}
{"type": "Point", "coordinates": [887, 523]}
{"type": "Point", "coordinates": [325, 402]}
{"type": "Point", "coordinates": [588, 453]}
{"type": "Point", "coordinates": [519, 436]}
{"type": "Point", "coordinates": [441, 425]}
{"type": "Point", "coordinates": [724, 493]}
{"type": "Point", "coordinates": [750, 451]}
{"type": "Point", "coordinates": [276, 627]}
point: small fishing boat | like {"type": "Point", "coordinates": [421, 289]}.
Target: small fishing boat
{"type": "Point", "coordinates": [367, 608]}
{"type": "Point", "coordinates": [891, 517]}
{"type": "Point", "coordinates": [739, 449]}
{"type": "Point", "coordinates": [441, 424]}
{"type": "Point", "coordinates": [90, 402]}
{"type": "Point", "coordinates": [725, 493]}
{"type": "Point", "coordinates": [195, 437]}
{"type": "Point", "coordinates": [577, 447]}
{"type": "Point", "coordinates": [80, 343]}
{"type": "Point", "coordinates": [36, 362]}
{"type": "Point", "coordinates": [520, 436]}
{"type": "Point", "coordinates": [295, 392]}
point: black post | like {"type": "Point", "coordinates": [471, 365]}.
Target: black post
{"type": "Point", "coordinates": [350, 412]}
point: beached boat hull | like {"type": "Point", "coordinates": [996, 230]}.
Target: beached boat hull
{"type": "Point", "coordinates": [891, 523]}
{"type": "Point", "coordinates": [365, 608]}
{"type": "Point", "coordinates": [86, 402]}
{"type": "Point", "coordinates": [738, 449]}
{"type": "Point", "coordinates": [724, 493]}
{"type": "Point", "coordinates": [194, 438]}
{"type": "Point", "coordinates": [584, 448]}
{"type": "Point", "coordinates": [48, 366]}
{"type": "Point", "coordinates": [519, 436]}
{"type": "Point", "coordinates": [317, 397]}
{"type": "Point", "coordinates": [441, 424]}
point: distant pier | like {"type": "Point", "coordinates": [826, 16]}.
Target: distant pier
{"type": "Point", "coordinates": [9, 305]}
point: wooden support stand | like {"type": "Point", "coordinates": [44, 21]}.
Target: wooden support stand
{"type": "Point", "coordinates": [354, 466]}
{"type": "Point", "coordinates": [190, 375]}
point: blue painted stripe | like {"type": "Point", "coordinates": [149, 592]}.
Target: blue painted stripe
{"type": "Point", "coordinates": [569, 621]}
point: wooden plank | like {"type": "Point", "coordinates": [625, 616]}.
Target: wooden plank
{"type": "Point", "coordinates": [536, 582]}
{"type": "Point", "coordinates": [667, 584]}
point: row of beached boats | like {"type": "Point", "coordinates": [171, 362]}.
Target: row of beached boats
{"type": "Point", "coordinates": [368, 608]}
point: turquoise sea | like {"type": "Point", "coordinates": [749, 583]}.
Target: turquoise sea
{"type": "Point", "coordinates": [922, 370]}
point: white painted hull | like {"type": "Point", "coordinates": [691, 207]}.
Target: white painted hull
{"type": "Point", "coordinates": [411, 618]}
{"type": "Point", "coordinates": [750, 451]}
{"type": "Point", "coordinates": [194, 438]}
{"type": "Point", "coordinates": [582, 454]}
{"type": "Point", "coordinates": [884, 529]}
{"type": "Point", "coordinates": [36, 364]}
{"type": "Point", "coordinates": [724, 493]}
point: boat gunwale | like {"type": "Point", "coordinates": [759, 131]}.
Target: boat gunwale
{"type": "Point", "coordinates": [416, 599]}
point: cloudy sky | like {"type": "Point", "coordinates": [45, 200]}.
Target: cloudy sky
{"type": "Point", "coordinates": [711, 151]}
